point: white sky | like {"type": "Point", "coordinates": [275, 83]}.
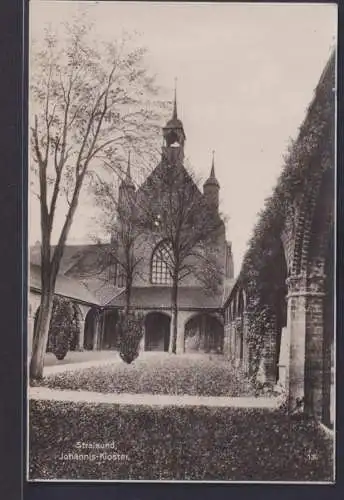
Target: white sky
{"type": "Point", "coordinates": [246, 75]}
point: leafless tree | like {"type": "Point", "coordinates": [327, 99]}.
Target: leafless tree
{"type": "Point", "coordinates": [119, 218]}
{"type": "Point", "coordinates": [88, 103]}
{"type": "Point", "coordinates": [172, 207]}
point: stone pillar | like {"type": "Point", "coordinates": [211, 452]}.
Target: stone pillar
{"type": "Point", "coordinates": [284, 359]}
{"type": "Point", "coordinates": [296, 324]}
{"type": "Point", "coordinates": [238, 336]}
{"type": "Point", "coordinates": [315, 347]}
{"type": "Point", "coordinates": [226, 341]}
{"type": "Point", "coordinates": [305, 325]}
{"type": "Point", "coordinates": [180, 347]}
{"type": "Point", "coordinates": [97, 332]}
{"type": "Point", "coordinates": [246, 351]}
{"type": "Point", "coordinates": [81, 335]}
{"type": "Point", "coordinates": [142, 341]}
{"type": "Point", "coordinates": [269, 357]}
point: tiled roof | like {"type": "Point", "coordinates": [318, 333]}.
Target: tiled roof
{"type": "Point", "coordinates": [78, 258]}
{"type": "Point", "coordinates": [64, 286]}
{"type": "Point", "coordinates": [159, 297]}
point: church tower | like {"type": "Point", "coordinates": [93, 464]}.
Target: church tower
{"type": "Point", "coordinates": [211, 188]}
{"type": "Point", "coordinates": [174, 137]}
{"type": "Point", "coordinates": [127, 187]}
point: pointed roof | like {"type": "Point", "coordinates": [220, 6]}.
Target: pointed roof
{"type": "Point", "coordinates": [128, 182]}
{"type": "Point", "coordinates": [174, 122]}
{"type": "Point", "coordinates": [212, 181]}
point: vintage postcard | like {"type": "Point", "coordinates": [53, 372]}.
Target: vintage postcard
{"type": "Point", "coordinates": [181, 291]}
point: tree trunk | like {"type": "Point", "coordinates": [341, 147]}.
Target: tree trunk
{"type": "Point", "coordinates": [41, 333]}
{"type": "Point", "coordinates": [127, 294]}
{"type": "Point", "coordinates": [174, 317]}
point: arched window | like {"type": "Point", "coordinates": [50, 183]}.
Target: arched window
{"type": "Point", "coordinates": [160, 269]}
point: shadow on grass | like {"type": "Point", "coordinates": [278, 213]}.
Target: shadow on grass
{"type": "Point", "coordinates": [174, 444]}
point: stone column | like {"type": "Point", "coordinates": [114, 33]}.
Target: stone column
{"type": "Point", "coordinates": [81, 335]}
{"type": "Point", "coordinates": [180, 347]}
{"type": "Point", "coordinates": [269, 357]}
{"type": "Point", "coordinates": [142, 341]}
{"type": "Point", "coordinates": [305, 325]}
{"type": "Point", "coordinates": [296, 324]}
{"type": "Point", "coordinates": [238, 336]}
{"type": "Point", "coordinates": [226, 341]}
{"type": "Point", "coordinates": [246, 351]}
{"type": "Point", "coordinates": [97, 331]}
{"type": "Point", "coordinates": [315, 347]}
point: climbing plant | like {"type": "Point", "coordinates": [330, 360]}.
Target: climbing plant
{"type": "Point", "coordinates": [312, 151]}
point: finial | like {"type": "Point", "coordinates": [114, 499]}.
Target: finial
{"type": "Point", "coordinates": [174, 116]}
{"type": "Point", "coordinates": [128, 167]}
{"type": "Point", "coordinates": [212, 173]}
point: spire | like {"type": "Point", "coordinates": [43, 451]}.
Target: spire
{"type": "Point", "coordinates": [174, 115]}
{"type": "Point", "coordinates": [128, 182]}
{"type": "Point", "coordinates": [212, 172]}
{"type": "Point", "coordinates": [174, 130]}
{"type": "Point", "coordinates": [128, 176]}
{"type": "Point", "coordinates": [212, 179]}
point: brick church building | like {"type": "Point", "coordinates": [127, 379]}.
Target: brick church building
{"type": "Point", "coordinates": [98, 298]}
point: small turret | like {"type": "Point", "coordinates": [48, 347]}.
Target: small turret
{"type": "Point", "coordinates": [211, 187]}
{"type": "Point", "coordinates": [126, 187]}
{"type": "Point", "coordinates": [174, 137]}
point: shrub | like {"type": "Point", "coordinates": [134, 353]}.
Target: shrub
{"type": "Point", "coordinates": [64, 327]}
{"type": "Point", "coordinates": [131, 332]}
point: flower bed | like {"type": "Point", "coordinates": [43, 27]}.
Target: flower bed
{"type": "Point", "coordinates": [174, 443]}
{"type": "Point", "coordinates": [157, 374]}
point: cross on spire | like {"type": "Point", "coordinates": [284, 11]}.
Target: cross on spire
{"type": "Point", "coordinates": [174, 116]}
{"type": "Point", "coordinates": [212, 172]}
{"type": "Point", "coordinates": [128, 176]}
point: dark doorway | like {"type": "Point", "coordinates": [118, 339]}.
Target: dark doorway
{"type": "Point", "coordinates": [109, 330]}
{"type": "Point", "coordinates": [91, 325]}
{"type": "Point", "coordinates": [157, 332]}
{"type": "Point", "coordinates": [204, 333]}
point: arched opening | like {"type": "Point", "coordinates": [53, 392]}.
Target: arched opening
{"type": "Point", "coordinates": [157, 332]}
{"type": "Point", "coordinates": [160, 263]}
{"type": "Point", "coordinates": [109, 338]}
{"type": "Point", "coordinates": [91, 329]}
{"type": "Point", "coordinates": [204, 333]}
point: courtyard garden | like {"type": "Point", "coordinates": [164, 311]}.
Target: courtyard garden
{"type": "Point", "coordinates": [157, 373]}
{"type": "Point", "coordinates": [226, 444]}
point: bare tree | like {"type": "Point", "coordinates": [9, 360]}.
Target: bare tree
{"type": "Point", "coordinates": [87, 105]}
{"type": "Point", "coordinates": [119, 218]}
{"type": "Point", "coordinates": [173, 208]}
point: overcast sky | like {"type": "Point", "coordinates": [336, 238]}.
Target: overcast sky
{"type": "Point", "coordinates": [246, 75]}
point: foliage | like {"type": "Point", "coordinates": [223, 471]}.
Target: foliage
{"type": "Point", "coordinates": [263, 272]}
{"type": "Point", "coordinates": [171, 443]}
{"type": "Point", "coordinates": [64, 327]}
{"type": "Point", "coordinates": [131, 332]}
{"type": "Point", "coordinates": [88, 104]}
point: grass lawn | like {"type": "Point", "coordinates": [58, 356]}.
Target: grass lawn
{"type": "Point", "coordinates": [174, 443]}
{"type": "Point", "coordinates": [157, 374]}
{"type": "Point", "coordinates": [78, 357]}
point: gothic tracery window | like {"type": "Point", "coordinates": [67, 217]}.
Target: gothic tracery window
{"type": "Point", "coordinates": [160, 272]}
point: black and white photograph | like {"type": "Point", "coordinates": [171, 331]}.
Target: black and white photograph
{"type": "Point", "coordinates": [181, 242]}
